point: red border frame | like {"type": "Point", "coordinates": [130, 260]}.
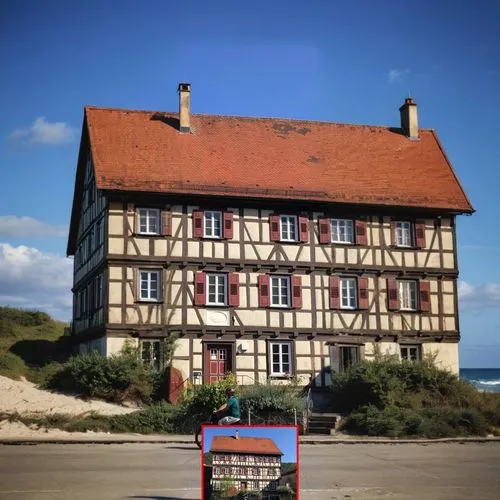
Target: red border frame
{"type": "Point", "coordinates": [297, 457]}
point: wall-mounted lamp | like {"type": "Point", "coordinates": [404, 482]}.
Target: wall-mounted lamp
{"type": "Point", "coordinates": [243, 347]}
{"type": "Point", "coordinates": [196, 378]}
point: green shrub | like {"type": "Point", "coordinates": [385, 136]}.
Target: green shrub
{"type": "Point", "coordinates": [394, 421]}
{"type": "Point", "coordinates": [155, 419]}
{"type": "Point", "coordinates": [12, 366]}
{"type": "Point", "coordinates": [272, 403]}
{"type": "Point", "coordinates": [121, 377]}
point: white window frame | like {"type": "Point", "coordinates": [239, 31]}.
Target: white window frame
{"type": "Point", "coordinates": [147, 213]}
{"type": "Point", "coordinates": [152, 345]}
{"type": "Point", "coordinates": [289, 223]}
{"type": "Point", "coordinates": [218, 279]}
{"type": "Point", "coordinates": [407, 347]}
{"type": "Point", "coordinates": [283, 300]}
{"type": "Point", "coordinates": [404, 234]}
{"type": "Point", "coordinates": [148, 297]}
{"type": "Point", "coordinates": [345, 225]}
{"type": "Point", "coordinates": [408, 295]}
{"type": "Point", "coordinates": [350, 286]}
{"type": "Point", "coordinates": [209, 228]}
{"type": "Point", "coordinates": [281, 371]}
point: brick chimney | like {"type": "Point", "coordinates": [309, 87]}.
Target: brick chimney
{"type": "Point", "coordinates": [409, 118]}
{"type": "Point", "coordinates": [184, 107]}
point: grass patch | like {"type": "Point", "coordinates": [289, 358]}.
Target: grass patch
{"type": "Point", "coordinates": [154, 419]}
{"type": "Point", "coordinates": [30, 340]}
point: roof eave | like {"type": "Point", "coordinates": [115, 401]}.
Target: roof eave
{"type": "Point", "coordinates": [77, 195]}
{"type": "Point", "coordinates": [369, 206]}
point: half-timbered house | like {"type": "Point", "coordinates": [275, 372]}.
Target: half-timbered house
{"type": "Point", "coordinates": [247, 464]}
{"type": "Point", "coordinates": [272, 248]}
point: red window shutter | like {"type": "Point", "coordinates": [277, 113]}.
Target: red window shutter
{"type": "Point", "coordinates": [303, 229]}
{"type": "Point", "coordinates": [200, 284]}
{"type": "Point", "coordinates": [264, 292]}
{"type": "Point", "coordinates": [425, 296]}
{"type": "Point", "coordinates": [361, 236]}
{"type": "Point", "coordinates": [334, 292]}
{"type": "Point", "coordinates": [166, 220]}
{"type": "Point", "coordinates": [363, 293]}
{"type": "Point", "coordinates": [296, 292]}
{"type": "Point", "coordinates": [228, 225]}
{"type": "Point", "coordinates": [393, 233]}
{"type": "Point", "coordinates": [325, 230]}
{"type": "Point", "coordinates": [392, 295]}
{"type": "Point", "coordinates": [420, 234]}
{"type": "Point", "coordinates": [197, 224]}
{"type": "Point", "coordinates": [274, 224]}
{"type": "Point", "coordinates": [234, 289]}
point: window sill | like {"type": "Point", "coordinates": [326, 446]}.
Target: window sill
{"type": "Point", "coordinates": [404, 247]}
{"type": "Point", "coordinates": [280, 307]}
{"type": "Point", "coordinates": [149, 301]}
{"type": "Point", "coordinates": [217, 306]}
{"type": "Point", "coordinates": [147, 235]}
{"type": "Point", "coordinates": [281, 377]}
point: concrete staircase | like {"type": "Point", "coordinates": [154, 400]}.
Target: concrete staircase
{"type": "Point", "coordinates": [323, 423]}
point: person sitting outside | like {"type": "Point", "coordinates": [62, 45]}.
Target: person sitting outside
{"type": "Point", "coordinates": [232, 407]}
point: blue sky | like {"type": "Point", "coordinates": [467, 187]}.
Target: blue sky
{"type": "Point", "coordinates": [285, 438]}
{"type": "Point", "coordinates": [350, 62]}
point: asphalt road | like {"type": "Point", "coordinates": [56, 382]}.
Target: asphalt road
{"type": "Point", "coordinates": [170, 472]}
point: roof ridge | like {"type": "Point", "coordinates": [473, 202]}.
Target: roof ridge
{"type": "Point", "coordinates": [249, 118]}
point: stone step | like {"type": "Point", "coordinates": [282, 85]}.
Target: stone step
{"type": "Point", "coordinates": [323, 423]}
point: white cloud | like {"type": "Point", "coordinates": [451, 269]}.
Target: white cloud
{"type": "Point", "coordinates": [397, 74]}
{"type": "Point", "coordinates": [43, 132]}
{"type": "Point", "coordinates": [33, 279]}
{"type": "Point", "coordinates": [478, 296]}
{"type": "Point", "coordinates": [23, 226]}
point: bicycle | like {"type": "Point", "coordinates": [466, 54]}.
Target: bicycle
{"type": "Point", "coordinates": [214, 420]}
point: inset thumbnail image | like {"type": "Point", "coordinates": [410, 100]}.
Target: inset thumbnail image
{"type": "Point", "coordinates": [250, 462]}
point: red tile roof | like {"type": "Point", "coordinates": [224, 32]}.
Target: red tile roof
{"type": "Point", "coordinates": [271, 158]}
{"type": "Point", "coordinates": [253, 445]}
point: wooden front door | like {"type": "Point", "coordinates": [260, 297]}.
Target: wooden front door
{"type": "Point", "coordinates": [218, 361]}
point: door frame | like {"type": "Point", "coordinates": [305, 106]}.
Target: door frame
{"type": "Point", "coordinates": [206, 362]}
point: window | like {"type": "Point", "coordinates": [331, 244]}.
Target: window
{"type": "Point", "coordinates": [404, 236]}
{"type": "Point", "coordinates": [410, 352]}
{"type": "Point", "coordinates": [281, 362]}
{"type": "Point", "coordinates": [98, 234]}
{"type": "Point", "coordinates": [348, 356]}
{"type": "Point", "coordinates": [342, 231]}
{"type": "Point", "coordinates": [288, 228]}
{"type": "Point", "coordinates": [348, 293]}
{"type": "Point", "coordinates": [216, 289]}
{"type": "Point", "coordinates": [150, 285]}
{"type": "Point", "coordinates": [98, 291]}
{"type": "Point", "coordinates": [151, 353]}
{"type": "Point", "coordinates": [280, 291]}
{"type": "Point", "coordinates": [408, 295]}
{"type": "Point", "coordinates": [149, 221]}
{"type": "Point", "coordinates": [213, 224]}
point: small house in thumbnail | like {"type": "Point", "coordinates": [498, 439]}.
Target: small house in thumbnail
{"type": "Point", "coordinates": [246, 464]}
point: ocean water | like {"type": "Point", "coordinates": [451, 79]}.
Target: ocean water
{"type": "Point", "coordinates": [484, 379]}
